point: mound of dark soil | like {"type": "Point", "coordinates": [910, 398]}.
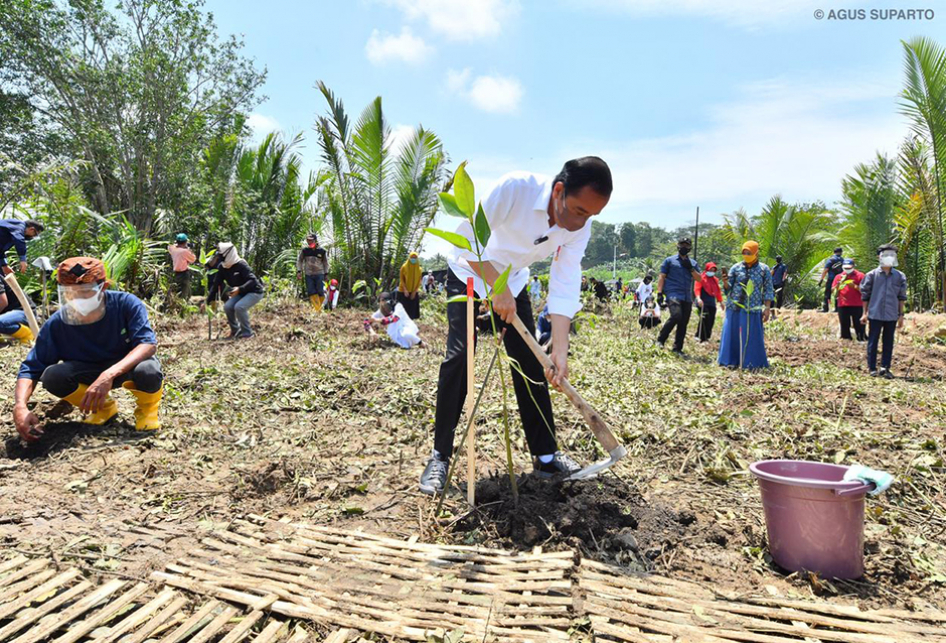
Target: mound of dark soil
{"type": "Point", "coordinates": [605, 518]}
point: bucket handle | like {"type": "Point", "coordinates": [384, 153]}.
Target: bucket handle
{"type": "Point", "coordinates": [864, 488]}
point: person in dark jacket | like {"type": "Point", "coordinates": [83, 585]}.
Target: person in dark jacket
{"type": "Point", "coordinates": [14, 234]}
{"type": "Point", "coordinates": [245, 291]}
{"type": "Point", "coordinates": [312, 264]}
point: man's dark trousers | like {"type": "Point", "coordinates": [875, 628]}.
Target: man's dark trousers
{"type": "Point", "coordinates": [848, 316]}
{"type": "Point", "coordinates": [887, 328]}
{"type": "Point", "coordinates": [828, 290]}
{"type": "Point", "coordinates": [680, 311]}
{"type": "Point", "coordinates": [451, 387]}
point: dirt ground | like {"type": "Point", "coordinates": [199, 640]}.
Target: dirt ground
{"type": "Point", "coordinates": [312, 420]}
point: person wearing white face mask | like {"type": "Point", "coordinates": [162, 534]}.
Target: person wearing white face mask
{"type": "Point", "coordinates": [884, 292]}
{"type": "Point", "coordinates": [847, 289]}
{"type": "Point", "coordinates": [98, 340]}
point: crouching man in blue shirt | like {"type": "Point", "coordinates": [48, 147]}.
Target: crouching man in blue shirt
{"type": "Point", "coordinates": [98, 340]}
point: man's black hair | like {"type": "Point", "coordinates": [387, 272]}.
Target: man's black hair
{"type": "Point", "coordinates": [838, 249]}
{"type": "Point", "coordinates": [36, 225]}
{"type": "Point", "coordinates": [887, 247]}
{"type": "Point", "coordinates": [778, 257]}
{"type": "Point", "coordinates": [587, 171]}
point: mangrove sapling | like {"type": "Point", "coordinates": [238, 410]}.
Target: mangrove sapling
{"type": "Point", "coordinates": [462, 203]}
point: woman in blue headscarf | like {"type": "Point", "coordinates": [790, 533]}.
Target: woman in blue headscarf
{"type": "Point", "coordinates": [749, 304]}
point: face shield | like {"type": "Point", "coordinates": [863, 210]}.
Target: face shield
{"type": "Point", "coordinates": [888, 258]}
{"type": "Point", "coordinates": [82, 304]}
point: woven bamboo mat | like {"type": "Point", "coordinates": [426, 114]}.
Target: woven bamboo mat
{"type": "Point", "coordinates": [397, 588]}
{"type": "Point", "coordinates": [39, 603]}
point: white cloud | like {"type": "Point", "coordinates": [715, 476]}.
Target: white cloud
{"type": "Point", "coordinates": [797, 139]}
{"type": "Point", "coordinates": [495, 94]}
{"type": "Point", "coordinates": [743, 13]}
{"type": "Point", "coordinates": [400, 135]}
{"type": "Point", "coordinates": [260, 125]}
{"type": "Point", "coordinates": [460, 19]}
{"type": "Point", "coordinates": [406, 47]}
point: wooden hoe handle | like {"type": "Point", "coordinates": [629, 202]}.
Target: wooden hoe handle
{"type": "Point", "coordinates": [597, 425]}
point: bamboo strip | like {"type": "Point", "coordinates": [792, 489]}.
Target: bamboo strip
{"type": "Point", "coordinates": [15, 591]}
{"type": "Point", "coordinates": [103, 616]}
{"type": "Point", "coordinates": [23, 572]}
{"type": "Point", "coordinates": [164, 616]}
{"type": "Point", "coordinates": [269, 634]}
{"type": "Point", "coordinates": [26, 599]}
{"type": "Point", "coordinates": [194, 621]}
{"type": "Point", "coordinates": [137, 617]}
{"type": "Point", "coordinates": [32, 615]}
{"type": "Point", "coordinates": [76, 610]}
{"type": "Point", "coordinates": [214, 626]}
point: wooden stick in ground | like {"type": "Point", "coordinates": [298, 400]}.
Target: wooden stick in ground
{"type": "Point", "coordinates": [471, 430]}
{"type": "Point", "coordinates": [24, 302]}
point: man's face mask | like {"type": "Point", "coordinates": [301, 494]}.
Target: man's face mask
{"type": "Point", "coordinates": [683, 249]}
{"type": "Point", "coordinates": [79, 303]}
{"type": "Point", "coordinates": [888, 259]}
{"type": "Point", "coordinates": [711, 273]}
{"type": "Point", "coordinates": [848, 269]}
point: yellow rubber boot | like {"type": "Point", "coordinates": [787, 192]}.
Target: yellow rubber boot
{"type": "Point", "coordinates": [24, 335]}
{"type": "Point", "coordinates": [321, 299]}
{"type": "Point", "coordinates": [146, 413]}
{"type": "Point", "coordinates": [314, 300]}
{"type": "Point", "coordinates": [107, 412]}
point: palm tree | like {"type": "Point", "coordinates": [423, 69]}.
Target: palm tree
{"type": "Point", "coordinates": [378, 200]}
{"type": "Point", "coordinates": [869, 200]}
{"type": "Point", "coordinates": [924, 101]}
{"type": "Point", "coordinates": [917, 224]}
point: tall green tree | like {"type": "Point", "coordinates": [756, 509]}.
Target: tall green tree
{"type": "Point", "coordinates": [924, 102]}
{"type": "Point", "coordinates": [139, 91]}
{"type": "Point", "coordinates": [869, 201]}
{"type": "Point", "coordinates": [378, 199]}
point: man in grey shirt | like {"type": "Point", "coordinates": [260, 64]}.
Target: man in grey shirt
{"type": "Point", "coordinates": [884, 292]}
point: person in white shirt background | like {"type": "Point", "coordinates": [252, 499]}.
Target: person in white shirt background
{"type": "Point", "coordinates": [645, 289]}
{"type": "Point", "coordinates": [531, 218]}
{"type": "Point", "coordinates": [535, 291]}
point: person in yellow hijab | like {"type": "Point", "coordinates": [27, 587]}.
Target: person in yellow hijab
{"type": "Point", "coordinates": [408, 290]}
{"type": "Point", "coordinates": [748, 306]}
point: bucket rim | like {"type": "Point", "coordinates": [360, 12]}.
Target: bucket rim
{"type": "Point", "coordinates": [810, 483]}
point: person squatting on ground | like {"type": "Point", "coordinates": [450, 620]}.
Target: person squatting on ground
{"type": "Point", "coordinates": [832, 268]}
{"type": "Point", "coordinates": [531, 218]}
{"type": "Point", "coordinates": [779, 280]}
{"type": "Point", "coordinates": [884, 292]}
{"type": "Point", "coordinates": [847, 287]}
{"type": "Point", "coordinates": [13, 322]}
{"type": "Point", "coordinates": [392, 316]}
{"type": "Point", "coordinates": [675, 287]}
{"type": "Point", "coordinates": [408, 288]}
{"type": "Point", "coordinates": [312, 264]}
{"type": "Point", "coordinates": [98, 340]}
{"type": "Point", "coordinates": [743, 342]}
{"type": "Point", "coordinates": [14, 234]}
{"type": "Point", "coordinates": [708, 294]}
{"type": "Point", "coordinates": [181, 259]}
{"type": "Point", "coordinates": [246, 290]}
{"type": "Point", "coordinates": [331, 302]}
{"type": "Point", "coordinates": [650, 314]}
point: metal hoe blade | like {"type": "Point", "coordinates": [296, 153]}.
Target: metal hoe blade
{"type": "Point", "coordinates": [603, 465]}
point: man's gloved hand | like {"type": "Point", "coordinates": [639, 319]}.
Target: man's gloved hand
{"type": "Point", "coordinates": [661, 298]}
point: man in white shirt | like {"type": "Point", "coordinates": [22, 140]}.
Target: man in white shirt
{"type": "Point", "coordinates": [535, 290]}
{"type": "Point", "coordinates": [531, 219]}
{"type": "Point", "coordinates": [645, 290]}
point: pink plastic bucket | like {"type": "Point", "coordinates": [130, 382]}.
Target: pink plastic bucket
{"type": "Point", "coordinates": [814, 520]}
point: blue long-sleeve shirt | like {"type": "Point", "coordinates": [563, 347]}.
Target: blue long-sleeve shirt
{"type": "Point", "coordinates": [762, 289]}
{"type": "Point", "coordinates": [12, 235]}
{"type": "Point", "coordinates": [883, 292]}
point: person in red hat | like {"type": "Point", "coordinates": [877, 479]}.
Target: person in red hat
{"type": "Point", "coordinates": [332, 301]}
{"type": "Point", "coordinates": [708, 295]}
{"type": "Point", "coordinates": [98, 340]}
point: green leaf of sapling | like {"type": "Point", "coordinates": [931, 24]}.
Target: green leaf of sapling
{"type": "Point", "coordinates": [456, 239]}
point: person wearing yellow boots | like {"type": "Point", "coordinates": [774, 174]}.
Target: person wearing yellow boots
{"type": "Point", "coordinates": [98, 340]}
{"type": "Point", "coordinates": [312, 264]}
{"type": "Point", "coordinates": [13, 323]}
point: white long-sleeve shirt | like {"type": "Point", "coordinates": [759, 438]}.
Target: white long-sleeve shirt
{"type": "Point", "coordinates": [517, 211]}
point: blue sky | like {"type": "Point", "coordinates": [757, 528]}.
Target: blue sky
{"type": "Point", "coordinates": [692, 102]}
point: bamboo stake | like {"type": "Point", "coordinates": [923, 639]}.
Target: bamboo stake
{"type": "Point", "coordinates": [471, 431]}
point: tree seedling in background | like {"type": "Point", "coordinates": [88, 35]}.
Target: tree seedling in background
{"type": "Point", "coordinates": [462, 203]}
{"type": "Point", "coordinates": [748, 288]}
